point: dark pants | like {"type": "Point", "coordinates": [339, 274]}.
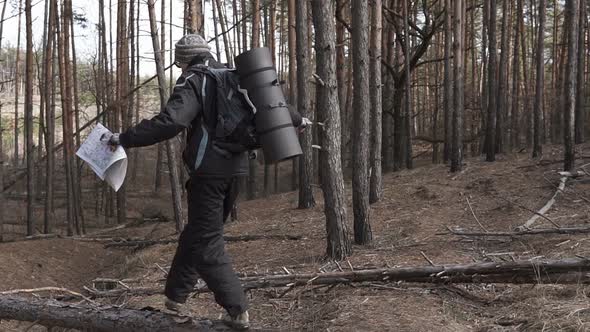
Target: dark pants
{"type": "Point", "coordinates": [201, 251]}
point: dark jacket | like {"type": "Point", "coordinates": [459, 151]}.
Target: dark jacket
{"type": "Point", "coordinates": [192, 108]}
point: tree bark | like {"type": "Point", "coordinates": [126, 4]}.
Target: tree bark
{"type": "Point", "coordinates": [572, 21]}
{"type": "Point", "coordinates": [54, 313]}
{"type": "Point", "coordinates": [502, 95]}
{"type": "Point", "coordinates": [29, 117]}
{"type": "Point", "coordinates": [2, 137]}
{"type": "Point", "coordinates": [492, 84]}
{"type": "Point", "coordinates": [17, 86]}
{"type": "Point", "coordinates": [458, 100]}
{"type": "Point", "coordinates": [407, 117]}
{"type": "Point", "coordinates": [376, 181]}
{"type": "Point", "coordinates": [306, 199]}
{"type": "Point", "coordinates": [448, 90]}
{"type": "Point", "coordinates": [170, 150]}
{"type": "Point", "coordinates": [361, 129]}
{"type": "Point", "coordinates": [50, 51]}
{"type": "Point", "coordinates": [328, 112]}
{"type": "Point", "coordinates": [537, 147]}
{"type": "Point", "coordinates": [515, 133]}
{"type": "Point", "coordinates": [580, 118]}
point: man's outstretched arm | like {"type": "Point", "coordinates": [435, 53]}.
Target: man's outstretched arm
{"type": "Point", "coordinates": [183, 106]}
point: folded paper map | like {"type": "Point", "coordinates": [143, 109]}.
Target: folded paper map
{"type": "Point", "coordinates": [109, 165]}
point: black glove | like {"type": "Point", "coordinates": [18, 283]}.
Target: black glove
{"type": "Point", "coordinates": [111, 139]}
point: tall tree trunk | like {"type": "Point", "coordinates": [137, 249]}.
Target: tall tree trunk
{"type": "Point", "coordinates": [580, 121]}
{"type": "Point", "coordinates": [170, 149]}
{"type": "Point", "coordinates": [341, 73]}
{"type": "Point", "coordinates": [502, 95]}
{"type": "Point", "coordinates": [537, 147]}
{"type": "Point", "coordinates": [292, 78]}
{"type": "Point", "coordinates": [194, 19]}
{"type": "Point", "coordinates": [66, 101]}
{"type": "Point", "coordinates": [492, 83]}
{"type": "Point", "coordinates": [361, 129]}
{"type": "Point", "coordinates": [447, 81]}
{"type": "Point", "coordinates": [306, 199]}
{"type": "Point", "coordinates": [76, 110]}
{"type": "Point", "coordinates": [50, 114]}
{"type": "Point", "coordinates": [29, 118]}
{"type": "Point", "coordinates": [2, 139]}
{"type": "Point", "coordinates": [223, 25]}
{"type": "Point", "coordinates": [244, 26]}
{"type": "Point", "coordinates": [407, 117]}
{"type": "Point", "coordinates": [376, 184]}
{"type": "Point", "coordinates": [388, 102]}
{"type": "Point", "coordinates": [572, 21]}
{"type": "Point", "coordinates": [484, 87]}
{"type": "Point", "coordinates": [458, 99]}
{"type": "Point", "coordinates": [515, 136]}
{"type": "Point", "coordinates": [253, 165]}
{"type": "Point", "coordinates": [17, 86]}
{"type": "Point", "coordinates": [328, 112]}
{"type": "Point", "coordinates": [122, 87]}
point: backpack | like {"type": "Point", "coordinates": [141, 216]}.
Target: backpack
{"type": "Point", "coordinates": [233, 128]}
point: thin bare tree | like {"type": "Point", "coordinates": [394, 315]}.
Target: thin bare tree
{"type": "Point", "coordinates": [459, 85]}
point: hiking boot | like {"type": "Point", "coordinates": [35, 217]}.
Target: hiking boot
{"type": "Point", "coordinates": [173, 305]}
{"type": "Point", "coordinates": [239, 322]}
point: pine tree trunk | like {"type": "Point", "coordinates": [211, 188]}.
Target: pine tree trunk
{"type": "Point", "coordinates": [50, 51]}
{"type": "Point", "coordinates": [572, 22]}
{"type": "Point", "coordinates": [29, 118]}
{"type": "Point", "coordinates": [580, 119]}
{"type": "Point", "coordinates": [253, 165]}
{"type": "Point", "coordinates": [306, 199]}
{"type": "Point", "coordinates": [515, 134]}
{"type": "Point", "coordinates": [2, 138]}
{"type": "Point", "coordinates": [293, 79]}
{"type": "Point", "coordinates": [17, 87]}
{"type": "Point", "coordinates": [223, 25]}
{"type": "Point", "coordinates": [361, 130]}
{"type": "Point", "coordinates": [170, 149]}
{"type": "Point", "coordinates": [447, 81]}
{"type": "Point", "coordinates": [376, 184]}
{"type": "Point", "coordinates": [407, 117]}
{"type": "Point", "coordinates": [194, 19]}
{"type": "Point", "coordinates": [502, 90]}
{"type": "Point", "coordinates": [538, 110]}
{"type": "Point", "coordinates": [458, 99]}
{"type": "Point", "coordinates": [328, 112]}
{"type": "Point", "coordinates": [492, 83]}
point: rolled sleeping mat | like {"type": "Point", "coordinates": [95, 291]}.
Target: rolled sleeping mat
{"type": "Point", "coordinates": [273, 121]}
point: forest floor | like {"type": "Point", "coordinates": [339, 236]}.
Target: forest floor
{"type": "Point", "coordinates": [417, 206]}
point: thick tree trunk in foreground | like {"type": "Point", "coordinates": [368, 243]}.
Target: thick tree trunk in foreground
{"type": "Point", "coordinates": [54, 313]}
{"type": "Point", "coordinates": [580, 120]}
{"type": "Point", "coordinates": [361, 129]}
{"type": "Point", "coordinates": [328, 108]}
{"type": "Point", "coordinates": [376, 184]}
{"type": "Point", "coordinates": [306, 199]}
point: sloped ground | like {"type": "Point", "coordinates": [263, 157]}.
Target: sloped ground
{"type": "Point", "coordinates": [408, 222]}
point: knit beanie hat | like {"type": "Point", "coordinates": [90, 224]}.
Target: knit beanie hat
{"type": "Point", "coordinates": [190, 46]}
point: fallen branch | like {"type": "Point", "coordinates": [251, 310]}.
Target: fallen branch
{"type": "Point", "coordinates": [565, 271]}
{"type": "Point", "coordinates": [227, 238]}
{"type": "Point", "coordinates": [94, 318]}
{"type": "Point", "coordinates": [46, 289]}
{"type": "Point", "coordinates": [547, 206]}
{"type": "Point", "coordinates": [536, 231]}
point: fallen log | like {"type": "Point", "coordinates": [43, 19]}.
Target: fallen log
{"type": "Point", "coordinates": [566, 271]}
{"type": "Point", "coordinates": [546, 207]}
{"type": "Point", "coordinates": [227, 238]}
{"type": "Point", "coordinates": [94, 318]}
{"type": "Point", "coordinates": [524, 232]}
